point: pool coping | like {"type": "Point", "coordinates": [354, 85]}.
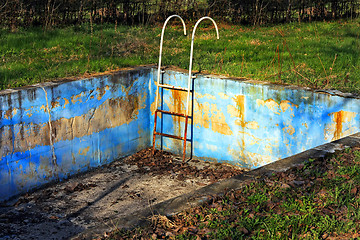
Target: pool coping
{"type": "Point", "coordinates": [186, 201]}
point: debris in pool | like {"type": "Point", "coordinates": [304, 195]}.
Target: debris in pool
{"type": "Point", "coordinates": [114, 191]}
{"type": "Point", "coordinates": [165, 163]}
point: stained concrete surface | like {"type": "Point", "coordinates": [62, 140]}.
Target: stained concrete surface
{"type": "Point", "coordinates": [101, 197]}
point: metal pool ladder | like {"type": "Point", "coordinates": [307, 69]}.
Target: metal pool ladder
{"type": "Point", "coordinates": [171, 87]}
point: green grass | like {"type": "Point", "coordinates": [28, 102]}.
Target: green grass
{"type": "Point", "coordinates": [318, 55]}
{"type": "Point", "coordinates": [317, 200]}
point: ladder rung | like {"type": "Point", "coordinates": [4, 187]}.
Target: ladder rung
{"type": "Point", "coordinates": [172, 113]}
{"type": "Point", "coordinates": [169, 135]}
{"type": "Point", "coordinates": [173, 87]}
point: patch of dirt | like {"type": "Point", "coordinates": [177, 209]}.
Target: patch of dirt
{"type": "Point", "coordinates": [119, 189]}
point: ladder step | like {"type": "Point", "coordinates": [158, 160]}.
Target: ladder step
{"type": "Point", "coordinates": [169, 135]}
{"type": "Point", "coordinates": [173, 87]}
{"type": "Point", "coordinates": [172, 113]}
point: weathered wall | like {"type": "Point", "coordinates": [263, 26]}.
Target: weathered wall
{"type": "Point", "coordinates": [252, 124]}
{"type": "Point", "coordinates": [53, 130]}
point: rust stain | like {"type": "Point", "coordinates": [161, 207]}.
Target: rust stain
{"type": "Point", "coordinates": [102, 91]}
{"type": "Point", "coordinates": [73, 160]}
{"type": "Point", "coordinates": [285, 105]}
{"type": "Point", "coordinates": [223, 96]}
{"type": "Point", "coordinates": [218, 121]}
{"type": "Point", "coordinates": [14, 112]}
{"type": "Point", "coordinates": [240, 105]}
{"type": "Point", "coordinates": [77, 98]}
{"type": "Point", "coordinates": [249, 158]}
{"type": "Point", "coordinates": [178, 101]}
{"type": "Point", "coordinates": [84, 151]}
{"type": "Point", "coordinates": [152, 109]}
{"type": "Point", "coordinates": [276, 107]}
{"type": "Point", "coordinates": [289, 129]}
{"type": "Point", "coordinates": [205, 114]}
{"type": "Point", "coordinates": [29, 112]}
{"type": "Point", "coordinates": [206, 95]}
{"type": "Point", "coordinates": [112, 113]}
{"type": "Point", "coordinates": [270, 104]}
{"type": "Point", "coordinates": [251, 139]}
{"type": "Point", "coordinates": [55, 104]}
{"type": "Point", "coordinates": [238, 112]}
{"type": "Point", "coordinates": [305, 125]}
{"type": "Point", "coordinates": [10, 113]}
{"type": "Point", "coordinates": [43, 107]}
{"type": "Point", "coordinates": [202, 117]}
{"type": "Point", "coordinates": [252, 125]}
{"type": "Point", "coordinates": [259, 160]}
{"type": "Point", "coordinates": [66, 102]}
{"type": "Point", "coordinates": [339, 118]}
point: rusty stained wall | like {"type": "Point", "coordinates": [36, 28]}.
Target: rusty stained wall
{"type": "Point", "coordinates": [252, 124]}
{"type": "Point", "coordinates": [53, 130]}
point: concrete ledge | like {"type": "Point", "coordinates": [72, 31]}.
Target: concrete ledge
{"type": "Point", "coordinates": [204, 194]}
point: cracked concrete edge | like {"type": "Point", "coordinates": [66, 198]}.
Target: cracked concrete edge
{"type": "Point", "coordinates": [196, 198]}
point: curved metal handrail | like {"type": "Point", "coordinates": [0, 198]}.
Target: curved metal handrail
{"type": "Point", "coordinates": [161, 45]}
{"type": "Point", "coordinates": [191, 55]}
{"type": "Point", "coordinates": [162, 40]}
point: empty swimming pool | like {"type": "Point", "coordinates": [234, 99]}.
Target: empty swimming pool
{"type": "Point", "coordinates": [53, 130]}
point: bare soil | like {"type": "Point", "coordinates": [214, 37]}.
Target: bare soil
{"type": "Point", "coordinates": [65, 209]}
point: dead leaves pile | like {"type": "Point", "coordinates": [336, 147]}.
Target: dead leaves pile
{"type": "Point", "coordinates": [164, 163]}
{"type": "Point", "coordinates": [318, 187]}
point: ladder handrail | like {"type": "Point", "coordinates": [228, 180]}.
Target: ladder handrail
{"type": "Point", "coordinates": [191, 55]}
{"type": "Point", "coordinates": [161, 45]}
{"type": "Point", "coordinates": [162, 40]}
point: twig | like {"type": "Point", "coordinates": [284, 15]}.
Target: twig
{"type": "Point", "coordinates": [303, 76]}
{"type": "Point", "coordinates": [275, 74]}
{"type": "Point", "coordinates": [279, 61]}
{"type": "Point", "coordinates": [328, 80]}
{"type": "Point", "coordinates": [280, 32]}
{"type": "Point", "coordinates": [268, 67]}
{"type": "Point", "coordinates": [332, 66]}
{"type": "Point", "coordinates": [242, 64]}
{"type": "Point", "coordinates": [4, 5]}
{"type": "Point", "coordinates": [292, 59]}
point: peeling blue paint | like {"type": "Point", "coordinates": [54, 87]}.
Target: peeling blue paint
{"type": "Point", "coordinates": [92, 123]}
{"type": "Point", "coordinates": [51, 131]}
{"type": "Point", "coordinates": [263, 132]}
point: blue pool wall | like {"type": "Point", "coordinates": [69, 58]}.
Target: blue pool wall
{"type": "Point", "coordinates": [250, 123]}
{"type": "Point", "coordinates": [54, 130]}
{"type": "Point", "coordinates": [51, 131]}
